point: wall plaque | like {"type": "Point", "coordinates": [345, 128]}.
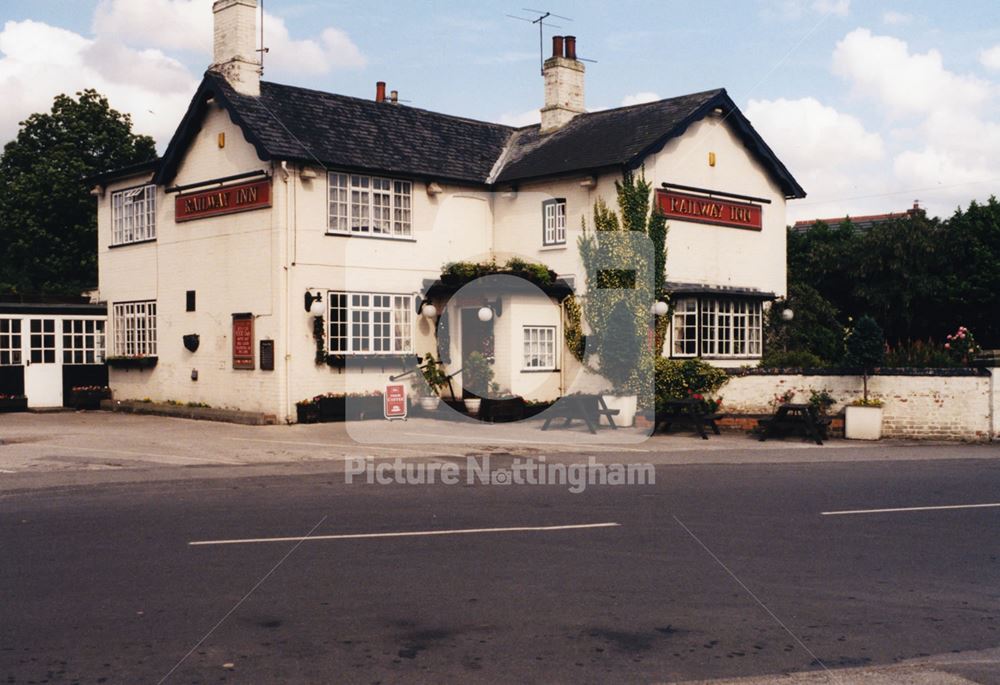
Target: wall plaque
{"type": "Point", "coordinates": [709, 210]}
{"type": "Point", "coordinates": [267, 355]}
{"type": "Point", "coordinates": [227, 200]}
{"type": "Point", "coordinates": [243, 356]}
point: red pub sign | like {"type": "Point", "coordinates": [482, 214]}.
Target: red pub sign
{"type": "Point", "coordinates": [243, 357]}
{"type": "Point", "coordinates": [395, 401]}
{"type": "Point", "coordinates": [228, 200]}
{"type": "Point", "coordinates": [709, 210]}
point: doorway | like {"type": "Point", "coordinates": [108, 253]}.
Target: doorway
{"type": "Point", "coordinates": [42, 373]}
{"type": "Point", "coordinates": [477, 336]}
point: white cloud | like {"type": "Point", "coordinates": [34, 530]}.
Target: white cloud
{"type": "Point", "coordinates": [806, 134]}
{"type": "Point", "coordinates": [990, 58]}
{"type": "Point", "coordinates": [187, 25]}
{"type": "Point", "coordinates": [639, 98]}
{"type": "Point", "coordinates": [154, 88]}
{"type": "Point", "coordinates": [839, 8]}
{"type": "Point", "coordinates": [893, 18]}
{"type": "Point", "coordinates": [883, 68]}
{"type": "Point", "coordinates": [532, 116]}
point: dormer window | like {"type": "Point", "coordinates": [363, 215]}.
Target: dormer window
{"type": "Point", "coordinates": [370, 206]}
{"type": "Point", "coordinates": [554, 222]}
{"type": "Point", "coordinates": [133, 215]}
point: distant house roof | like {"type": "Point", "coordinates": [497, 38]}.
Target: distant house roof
{"type": "Point", "coordinates": [337, 131]}
{"type": "Point", "coordinates": [863, 222]}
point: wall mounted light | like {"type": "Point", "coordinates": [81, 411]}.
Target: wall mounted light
{"type": "Point", "coordinates": [434, 189]}
{"type": "Point", "coordinates": [787, 314]}
{"type": "Point", "coordinates": [307, 174]}
{"type": "Point", "coordinates": [659, 308]}
{"type": "Point", "coordinates": [314, 303]}
{"type": "Point", "coordinates": [488, 310]}
{"type": "Point", "coordinates": [429, 311]}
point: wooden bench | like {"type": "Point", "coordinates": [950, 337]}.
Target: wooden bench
{"type": "Point", "coordinates": [803, 418]}
{"type": "Point", "coordinates": [587, 408]}
{"type": "Point", "coordinates": [688, 411]}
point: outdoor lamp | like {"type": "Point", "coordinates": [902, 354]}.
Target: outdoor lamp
{"type": "Point", "coordinates": [485, 313]}
{"type": "Point", "coordinates": [659, 308]}
{"type": "Point", "coordinates": [429, 311]}
{"type": "Point", "coordinates": [314, 304]}
{"type": "Point", "coordinates": [787, 314]}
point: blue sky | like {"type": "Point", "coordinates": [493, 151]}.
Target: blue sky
{"type": "Point", "coordinates": [871, 104]}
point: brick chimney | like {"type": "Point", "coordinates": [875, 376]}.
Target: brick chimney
{"type": "Point", "coordinates": [235, 51]}
{"type": "Point", "coordinates": [563, 74]}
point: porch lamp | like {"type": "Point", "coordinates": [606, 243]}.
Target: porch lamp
{"type": "Point", "coordinates": [787, 314]}
{"type": "Point", "coordinates": [487, 311]}
{"type": "Point", "coordinates": [429, 311]}
{"type": "Point", "coordinates": [314, 303]}
{"type": "Point", "coordinates": [659, 308]}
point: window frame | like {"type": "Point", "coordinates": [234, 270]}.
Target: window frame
{"type": "Point", "coordinates": [386, 318]}
{"type": "Point", "coordinates": [558, 222]}
{"type": "Point", "coordinates": [144, 234]}
{"type": "Point", "coordinates": [368, 206]}
{"type": "Point", "coordinates": [89, 347]}
{"type": "Point", "coordinates": [725, 328]}
{"type": "Point", "coordinates": [122, 346]}
{"type": "Point", "coordinates": [12, 341]}
{"type": "Point", "coordinates": [526, 349]}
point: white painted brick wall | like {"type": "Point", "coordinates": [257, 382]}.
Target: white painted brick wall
{"type": "Point", "coordinates": [933, 407]}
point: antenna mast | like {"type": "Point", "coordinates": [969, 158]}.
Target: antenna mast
{"type": "Point", "coordinates": [540, 20]}
{"type": "Point", "coordinates": [263, 50]}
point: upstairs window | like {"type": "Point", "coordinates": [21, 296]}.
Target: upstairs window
{"type": "Point", "coordinates": [133, 215]}
{"type": "Point", "coordinates": [369, 206]}
{"type": "Point", "coordinates": [554, 222]}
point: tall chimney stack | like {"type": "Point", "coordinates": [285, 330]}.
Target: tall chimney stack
{"type": "Point", "coordinates": [235, 49]}
{"type": "Point", "coordinates": [563, 74]}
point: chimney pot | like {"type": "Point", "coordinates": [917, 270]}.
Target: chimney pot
{"type": "Point", "coordinates": [394, 96]}
{"type": "Point", "coordinates": [557, 46]}
{"type": "Point", "coordinates": [380, 91]}
{"type": "Point", "coordinates": [570, 47]}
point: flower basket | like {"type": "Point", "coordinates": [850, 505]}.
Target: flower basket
{"type": "Point", "coordinates": [131, 362]}
{"type": "Point", "coordinates": [12, 403]}
{"type": "Point", "coordinates": [88, 397]}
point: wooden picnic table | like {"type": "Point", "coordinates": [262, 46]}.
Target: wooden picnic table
{"type": "Point", "coordinates": [801, 417]}
{"type": "Point", "coordinates": [689, 411]}
{"type": "Point", "coordinates": [587, 408]}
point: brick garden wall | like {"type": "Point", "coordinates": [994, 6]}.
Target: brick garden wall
{"type": "Point", "coordinates": [949, 404]}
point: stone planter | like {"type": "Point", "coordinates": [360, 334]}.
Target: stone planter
{"type": "Point", "coordinates": [503, 410]}
{"type": "Point", "coordinates": [430, 404]}
{"type": "Point", "coordinates": [863, 423]}
{"type": "Point", "coordinates": [626, 406]}
{"type": "Point", "coordinates": [473, 405]}
{"type": "Point", "coordinates": [307, 413]}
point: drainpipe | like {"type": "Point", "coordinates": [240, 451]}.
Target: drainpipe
{"type": "Point", "coordinates": [288, 229]}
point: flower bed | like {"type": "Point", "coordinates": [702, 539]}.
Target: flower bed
{"type": "Point", "coordinates": [88, 396]}
{"type": "Point", "coordinates": [12, 403]}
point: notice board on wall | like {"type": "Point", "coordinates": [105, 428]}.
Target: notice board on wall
{"type": "Point", "coordinates": [243, 344]}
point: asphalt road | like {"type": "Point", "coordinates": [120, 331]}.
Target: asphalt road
{"type": "Point", "coordinates": [716, 571]}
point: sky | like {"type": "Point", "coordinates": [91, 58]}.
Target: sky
{"type": "Point", "coordinates": [871, 104]}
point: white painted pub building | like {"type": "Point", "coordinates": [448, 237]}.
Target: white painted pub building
{"type": "Point", "coordinates": [270, 195]}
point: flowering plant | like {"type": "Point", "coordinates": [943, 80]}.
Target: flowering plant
{"type": "Point", "coordinates": [91, 388]}
{"type": "Point", "coordinates": [782, 398]}
{"type": "Point", "coordinates": [962, 346]}
{"type": "Point", "coordinates": [710, 404]}
{"type": "Point", "coordinates": [11, 397]}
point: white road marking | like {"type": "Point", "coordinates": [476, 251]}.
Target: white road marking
{"type": "Point", "coordinates": [407, 534]}
{"type": "Point", "coordinates": [604, 446]}
{"type": "Point", "coordinates": [899, 509]}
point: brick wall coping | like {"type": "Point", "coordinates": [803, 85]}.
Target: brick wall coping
{"type": "Point", "coordinates": [900, 371]}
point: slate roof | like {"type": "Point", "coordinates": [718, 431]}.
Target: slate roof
{"type": "Point", "coordinates": [354, 134]}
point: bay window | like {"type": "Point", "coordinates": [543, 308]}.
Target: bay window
{"type": "Point", "coordinates": [716, 327]}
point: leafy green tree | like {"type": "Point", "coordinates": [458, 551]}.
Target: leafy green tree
{"type": "Point", "coordinates": [814, 329]}
{"type": "Point", "coordinates": [48, 220]}
{"type": "Point", "coordinates": [865, 348]}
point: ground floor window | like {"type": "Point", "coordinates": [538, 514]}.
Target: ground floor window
{"type": "Point", "coordinates": [716, 327]}
{"type": "Point", "coordinates": [370, 323]}
{"type": "Point", "coordinates": [135, 329]}
{"type": "Point", "coordinates": [540, 347]}
{"type": "Point", "coordinates": [43, 341]}
{"type": "Point", "coordinates": [10, 342]}
{"type": "Point", "coordinates": [83, 341]}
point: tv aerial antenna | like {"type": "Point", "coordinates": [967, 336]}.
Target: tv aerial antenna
{"type": "Point", "coordinates": [263, 50]}
{"type": "Point", "coordinates": [542, 15]}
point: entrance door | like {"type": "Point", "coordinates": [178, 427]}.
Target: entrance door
{"type": "Point", "coordinates": [477, 336]}
{"type": "Point", "coordinates": [42, 373]}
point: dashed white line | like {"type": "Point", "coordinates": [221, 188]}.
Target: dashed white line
{"type": "Point", "coordinates": [407, 534]}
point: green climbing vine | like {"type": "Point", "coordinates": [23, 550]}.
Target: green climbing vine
{"type": "Point", "coordinates": [575, 340]}
{"type": "Point", "coordinates": [319, 335]}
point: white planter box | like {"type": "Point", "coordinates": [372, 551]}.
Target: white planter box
{"type": "Point", "coordinates": [863, 423]}
{"type": "Point", "coordinates": [430, 404]}
{"type": "Point", "coordinates": [472, 406]}
{"type": "Point", "coordinates": [625, 405]}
